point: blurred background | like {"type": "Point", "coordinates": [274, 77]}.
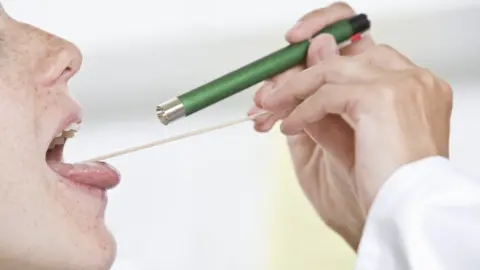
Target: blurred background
{"type": "Point", "coordinates": [229, 199]}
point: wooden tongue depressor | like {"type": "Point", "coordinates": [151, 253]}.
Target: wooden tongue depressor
{"type": "Point", "coordinates": [175, 138]}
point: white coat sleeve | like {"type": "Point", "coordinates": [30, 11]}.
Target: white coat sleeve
{"type": "Point", "coordinates": [426, 216]}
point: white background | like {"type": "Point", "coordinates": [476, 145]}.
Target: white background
{"type": "Point", "coordinates": [204, 203]}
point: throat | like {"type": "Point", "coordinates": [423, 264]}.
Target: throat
{"type": "Point", "coordinates": [55, 155]}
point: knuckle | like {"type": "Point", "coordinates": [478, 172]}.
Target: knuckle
{"type": "Point", "coordinates": [258, 94]}
{"type": "Point", "coordinates": [447, 92]}
{"type": "Point", "coordinates": [312, 13]}
{"type": "Point", "coordinates": [328, 69]}
{"type": "Point", "coordinates": [336, 63]}
{"type": "Point", "coordinates": [288, 88]}
{"type": "Point", "coordinates": [263, 91]}
{"type": "Point", "coordinates": [257, 98]}
{"type": "Point", "coordinates": [335, 11]}
{"type": "Point", "coordinates": [387, 55]}
{"type": "Point", "coordinates": [446, 88]}
{"type": "Point", "coordinates": [319, 68]}
{"type": "Point", "coordinates": [342, 5]}
{"type": "Point", "coordinates": [425, 81]}
{"type": "Point", "coordinates": [424, 78]}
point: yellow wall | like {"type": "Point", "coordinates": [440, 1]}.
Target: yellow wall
{"type": "Point", "coordinates": [298, 238]}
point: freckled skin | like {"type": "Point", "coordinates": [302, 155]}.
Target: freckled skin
{"type": "Point", "coordinates": [45, 223]}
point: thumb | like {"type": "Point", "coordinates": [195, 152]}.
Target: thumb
{"type": "Point", "coordinates": [321, 47]}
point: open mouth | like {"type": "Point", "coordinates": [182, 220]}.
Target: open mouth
{"type": "Point", "coordinates": [55, 149]}
{"type": "Point", "coordinates": [92, 175]}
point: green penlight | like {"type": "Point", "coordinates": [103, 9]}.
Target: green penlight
{"type": "Point", "coordinates": [253, 73]}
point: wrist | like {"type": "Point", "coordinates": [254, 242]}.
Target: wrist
{"type": "Point", "coordinates": [350, 236]}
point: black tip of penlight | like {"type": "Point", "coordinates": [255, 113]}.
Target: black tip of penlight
{"type": "Point", "coordinates": [360, 23]}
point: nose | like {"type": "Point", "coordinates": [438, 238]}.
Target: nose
{"type": "Point", "coordinates": [63, 60]}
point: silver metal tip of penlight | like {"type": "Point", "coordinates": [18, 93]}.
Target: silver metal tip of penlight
{"type": "Point", "coordinates": [170, 111]}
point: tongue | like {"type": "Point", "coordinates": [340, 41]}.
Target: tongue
{"type": "Point", "coordinates": [96, 174]}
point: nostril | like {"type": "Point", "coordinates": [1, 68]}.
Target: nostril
{"type": "Point", "coordinates": [66, 73]}
{"type": "Point", "coordinates": [62, 63]}
{"type": "Point", "coordinates": [67, 70]}
{"type": "Point", "coordinates": [61, 74]}
{"type": "Point", "coordinates": [60, 66]}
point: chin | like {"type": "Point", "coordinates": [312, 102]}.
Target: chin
{"type": "Point", "coordinates": [88, 243]}
{"type": "Point", "coordinates": [67, 250]}
{"type": "Point", "coordinates": [100, 256]}
{"type": "Point", "coordinates": [93, 251]}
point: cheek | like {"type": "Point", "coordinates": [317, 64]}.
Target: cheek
{"type": "Point", "coordinates": [17, 117]}
{"type": "Point", "coordinates": [17, 112]}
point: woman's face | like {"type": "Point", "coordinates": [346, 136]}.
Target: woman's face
{"type": "Point", "coordinates": [51, 213]}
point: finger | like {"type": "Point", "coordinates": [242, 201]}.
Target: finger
{"type": "Point", "coordinates": [303, 149]}
{"type": "Point", "coordinates": [270, 85]}
{"type": "Point", "coordinates": [262, 92]}
{"type": "Point", "coordinates": [266, 122]}
{"type": "Point", "coordinates": [267, 125]}
{"type": "Point", "coordinates": [336, 70]}
{"type": "Point", "coordinates": [313, 22]}
{"type": "Point", "coordinates": [332, 135]}
{"type": "Point", "coordinates": [336, 137]}
{"type": "Point", "coordinates": [330, 99]}
{"type": "Point", "coordinates": [256, 110]}
{"type": "Point", "coordinates": [270, 122]}
{"type": "Point", "coordinates": [386, 57]}
{"type": "Point", "coordinates": [321, 48]}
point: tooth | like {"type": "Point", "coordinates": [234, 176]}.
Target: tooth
{"type": "Point", "coordinates": [75, 126]}
{"type": "Point", "coordinates": [69, 127]}
{"type": "Point", "coordinates": [69, 134]}
{"type": "Point", "coordinates": [72, 126]}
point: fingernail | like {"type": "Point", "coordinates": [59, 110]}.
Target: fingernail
{"type": "Point", "coordinates": [288, 130]}
{"type": "Point", "coordinates": [252, 110]}
{"type": "Point", "coordinates": [285, 130]}
{"type": "Point", "coordinates": [255, 110]}
{"type": "Point", "coordinates": [267, 124]}
{"type": "Point", "coordinates": [262, 118]}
